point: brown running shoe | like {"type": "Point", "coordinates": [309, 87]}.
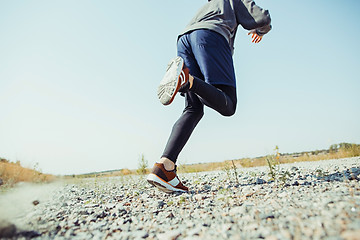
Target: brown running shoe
{"type": "Point", "coordinates": [164, 180]}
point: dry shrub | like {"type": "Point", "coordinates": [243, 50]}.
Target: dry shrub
{"type": "Point", "coordinates": [253, 162]}
{"type": "Point", "coordinates": [126, 171]}
{"type": "Point", "coordinates": [351, 150]}
{"type": "Point", "coordinates": [12, 173]}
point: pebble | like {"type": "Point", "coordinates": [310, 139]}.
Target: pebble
{"type": "Point", "coordinates": [316, 200]}
{"type": "Point", "coordinates": [260, 181]}
{"type": "Point", "coordinates": [7, 229]}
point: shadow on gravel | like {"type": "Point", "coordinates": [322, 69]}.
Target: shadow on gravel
{"type": "Point", "coordinates": [348, 174]}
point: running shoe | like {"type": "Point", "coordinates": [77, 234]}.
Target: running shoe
{"type": "Point", "coordinates": [176, 79]}
{"type": "Point", "coordinates": [164, 180]}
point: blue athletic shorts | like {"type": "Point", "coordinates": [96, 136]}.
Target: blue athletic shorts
{"type": "Point", "coordinates": [208, 56]}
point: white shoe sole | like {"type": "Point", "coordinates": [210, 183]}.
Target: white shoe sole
{"type": "Point", "coordinates": [169, 85]}
{"type": "Point", "coordinates": [160, 184]}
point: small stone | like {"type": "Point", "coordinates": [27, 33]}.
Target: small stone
{"type": "Point", "coordinates": [195, 231]}
{"type": "Point", "coordinates": [7, 229]}
{"type": "Point", "coordinates": [171, 215]}
{"type": "Point", "coordinates": [296, 183]}
{"type": "Point", "coordinates": [260, 181]}
{"type": "Point", "coordinates": [36, 202]}
{"type": "Point", "coordinates": [294, 169]}
{"type": "Point", "coordinates": [122, 212]}
{"type": "Point", "coordinates": [207, 187]}
{"type": "Point", "coordinates": [160, 204]}
{"type": "Point", "coordinates": [109, 206]}
{"type": "Point", "coordinates": [226, 227]}
{"type": "Point", "coordinates": [127, 220]}
{"type": "Point", "coordinates": [267, 216]}
{"type": "Point", "coordinates": [140, 234]}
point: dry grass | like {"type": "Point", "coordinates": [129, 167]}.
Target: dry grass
{"type": "Point", "coordinates": [201, 167]}
{"type": "Point", "coordinates": [11, 173]}
{"type": "Point", "coordinates": [352, 151]}
{"type": "Point", "coordinates": [349, 150]}
{"type": "Point", "coordinates": [336, 151]}
{"type": "Point", "coordinates": [114, 173]}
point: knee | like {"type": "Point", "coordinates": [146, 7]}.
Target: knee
{"type": "Point", "coordinates": [228, 112]}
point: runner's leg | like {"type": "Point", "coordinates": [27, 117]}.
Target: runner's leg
{"type": "Point", "coordinates": [221, 98]}
{"type": "Point", "coordinates": [194, 108]}
{"type": "Point", "coordinates": [184, 126]}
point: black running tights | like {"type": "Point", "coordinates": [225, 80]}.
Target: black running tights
{"type": "Point", "coordinates": [221, 98]}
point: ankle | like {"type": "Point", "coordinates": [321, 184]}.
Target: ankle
{"type": "Point", "coordinates": [168, 164]}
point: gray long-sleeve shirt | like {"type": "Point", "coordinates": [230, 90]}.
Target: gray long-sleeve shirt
{"type": "Point", "coordinates": [224, 16]}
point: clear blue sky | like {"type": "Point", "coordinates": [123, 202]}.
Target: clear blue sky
{"type": "Point", "coordinates": [78, 83]}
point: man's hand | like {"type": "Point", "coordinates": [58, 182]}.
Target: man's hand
{"type": "Point", "coordinates": [255, 37]}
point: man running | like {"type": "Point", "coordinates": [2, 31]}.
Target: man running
{"type": "Point", "coordinates": [203, 73]}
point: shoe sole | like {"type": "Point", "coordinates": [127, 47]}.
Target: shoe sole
{"type": "Point", "coordinates": [169, 85]}
{"type": "Point", "coordinates": [161, 184]}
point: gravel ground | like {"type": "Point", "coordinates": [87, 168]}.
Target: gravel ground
{"type": "Point", "coordinates": [308, 200]}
